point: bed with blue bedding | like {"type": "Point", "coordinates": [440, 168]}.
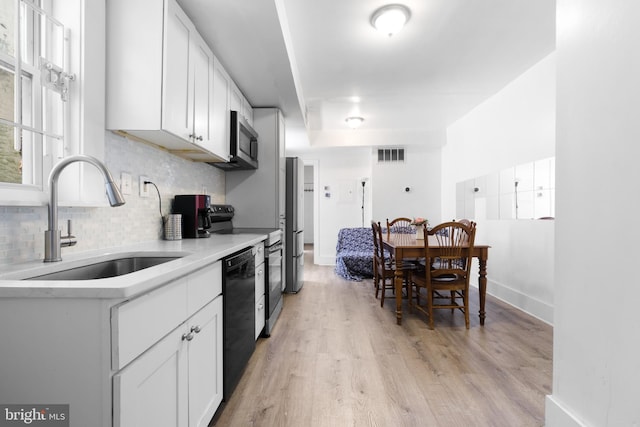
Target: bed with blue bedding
{"type": "Point", "coordinates": [354, 253]}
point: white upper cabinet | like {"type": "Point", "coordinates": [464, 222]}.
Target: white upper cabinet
{"type": "Point", "coordinates": [236, 99]}
{"type": "Point", "coordinates": [221, 102]}
{"type": "Point", "coordinates": [202, 112]}
{"type": "Point", "coordinates": [247, 111]}
{"type": "Point", "coordinates": [160, 79]}
{"type": "Point", "coordinates": [177, 84]}
{"type": "Point", "coordinates": [240, 104]}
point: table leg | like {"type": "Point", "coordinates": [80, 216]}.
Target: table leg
{"type": "Point", "coordinates": [399, 278]}
{"type": "Point", "coordinates": [482, 284]}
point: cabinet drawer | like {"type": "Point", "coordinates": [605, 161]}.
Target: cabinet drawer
{"type": "Point", "coordinates": [141, 322]}
{"type": "Point", "coordinates": [259, 253]}
{"type": "Point", "coordinates": [203, 286]}
{"type": "Point", "coordinates": [260, 281]}
{"type": "Point", "coordinates": [260, 315]}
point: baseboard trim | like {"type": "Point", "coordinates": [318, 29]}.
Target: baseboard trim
{"type": "Point", "coordinates": [536, 308]}
{"type": "Point", "coordinates": [326, 260]}
{"type": "Point", "coordinates": [557, 415]}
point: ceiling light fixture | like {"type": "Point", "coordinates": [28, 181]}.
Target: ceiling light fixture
{"type": "Point", "coordinates": [390, 19]}
{"type": "Point", "coordinates": [354, 122]}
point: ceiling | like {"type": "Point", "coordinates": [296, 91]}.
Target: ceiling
{"type": "Point", "coordinates": [322, 61]}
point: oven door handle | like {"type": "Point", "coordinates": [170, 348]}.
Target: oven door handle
{"type": "Point", "coordinates": [274, 248]}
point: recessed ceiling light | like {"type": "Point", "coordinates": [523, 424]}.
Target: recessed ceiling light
{"type": "Point", "coordinates": [390, 19]}
{"type": "Point", "coordinates": [354, 122]}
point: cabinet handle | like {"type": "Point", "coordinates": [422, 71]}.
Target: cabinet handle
{"type": "Point", "coordinates": [188, 336]}
{"type": "Point", "coordinates": [192, 135]}
{"type": "Point", "coordinates": [196, 329]}
{"type": "Point", "coordinates": [199, 138]}
{"type": "Point", "coordinates": [260, 306]}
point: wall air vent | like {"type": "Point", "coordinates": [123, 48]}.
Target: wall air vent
{"type": "Point", "coordinates": [390, 155]}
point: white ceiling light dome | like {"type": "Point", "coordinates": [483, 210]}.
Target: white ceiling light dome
{"type": "Point", "coordinates": [390, 19]}
{"type": "Point", "coordinates": [354, 122]}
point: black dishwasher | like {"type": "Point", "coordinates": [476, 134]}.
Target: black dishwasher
{"type": "Point", "coordinates": [238, 288]}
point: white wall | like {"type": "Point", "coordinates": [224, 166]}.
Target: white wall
{"type": "Point", "coordinates": [421, 173]}
{"type": "Point", "coordinates": [340, 170]}
{"type": "Point", "coordinates": [308, 205]}
{"type": "Point", "coordinates": [515, 126]}
{"type": "Point", "coordinates": [596, 354]}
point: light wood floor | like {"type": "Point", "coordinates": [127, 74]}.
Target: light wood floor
{"type": "Point", "coordinates": [336, 358]}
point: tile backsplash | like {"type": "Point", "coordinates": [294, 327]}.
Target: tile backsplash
{"type": "Point", "coordinates": [22, 228]}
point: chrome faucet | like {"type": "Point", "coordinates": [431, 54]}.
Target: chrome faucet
{"type": "Point", "coordinates": [52, 240]}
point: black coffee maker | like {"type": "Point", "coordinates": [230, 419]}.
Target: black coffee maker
{"type": "Point", "coordinates": [195, 210]}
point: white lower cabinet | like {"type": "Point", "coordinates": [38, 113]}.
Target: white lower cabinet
{"type": "Point", "coordinates": [167, 353]}
{"type": "Point", "coordinates": [152, 391]}
{"type": "Point", "coordinates": [154, 359]}
{"type": "Point", "coordinates": [205, 363]}
{"type": "Point", "coordinates": [178, 381]}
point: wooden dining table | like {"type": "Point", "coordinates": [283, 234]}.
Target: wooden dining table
{"type": "Point", "coordinates": [405, 245]}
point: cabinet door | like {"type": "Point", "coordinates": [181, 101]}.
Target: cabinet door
{"type": "Point", "coordinates": [202, 93]}
{"type": "Point", "coordinates": [221, 115]}
{"type": "Point", "coordinates": [152, 390]}
{"type": "Point", "coordinates": [282, 170]}
{"type": "Point", "coordinates": [205, 363]}
{"type": "Point", "coordinates": [177, 81]}
{"type": "Point", "coordinates": [236, 99]}
{"type": "Point", "coordinates": [247, 111]}
{"type": "Point", "coordinates": [260, 316]}
{"type": "Point", "coordinates": [259, 298]}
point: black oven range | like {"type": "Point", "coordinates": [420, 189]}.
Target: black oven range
{"type": "Point", "coordinates": [221, 222]}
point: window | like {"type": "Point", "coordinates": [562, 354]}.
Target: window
{"type": "Point", "coordinates": [34, 90]}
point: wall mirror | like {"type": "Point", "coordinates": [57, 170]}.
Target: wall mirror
{"type": "Point", "coordinates": [525, 191]}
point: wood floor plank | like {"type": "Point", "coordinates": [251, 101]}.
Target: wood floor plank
{"type": "Point", "coordinates": [336, 358]}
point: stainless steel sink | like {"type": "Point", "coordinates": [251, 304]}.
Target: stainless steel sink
{"type": "Point", "coordinates": [105, 269]}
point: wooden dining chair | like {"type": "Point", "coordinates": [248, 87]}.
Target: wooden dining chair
{"type": "Point", "coordinates": [465, 221]}
{"type": "Point", "coordinates": [384, 266]}
{"type": "Point", "coordinates": [400, 225]}
{"type": "Point", "coordinates": [447, 249]}
{"type": "Point", "coordinates": [403, 225]}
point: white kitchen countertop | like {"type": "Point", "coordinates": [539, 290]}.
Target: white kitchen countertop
{"type": "Point", "coordinates": [200, 252]}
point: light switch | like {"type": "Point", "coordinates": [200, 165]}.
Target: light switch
{"type": "Point", "coordinates": [125, 183]}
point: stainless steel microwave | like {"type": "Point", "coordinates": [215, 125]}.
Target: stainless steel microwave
{"type": "Point", "coordinates": [243, 151]}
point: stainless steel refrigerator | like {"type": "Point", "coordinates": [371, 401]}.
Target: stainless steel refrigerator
{"type": "Point", "coordinates": [294, 222]}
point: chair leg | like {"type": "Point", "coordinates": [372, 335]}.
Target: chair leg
{"type": "Point", "coordinates": [375, 273]}
{"type": "Point", "coordinates": [377, 284]}
{"type": "Point", "coordinates": [384, 290]}
{"type": "Point", "coordinates": [465, 299]}
{"type": "Point", "coordinates": [410, 296]}
{"type": "Point", "coordinates": [430, 306]}
{"type": "Point", "coordinates": [453, 300]}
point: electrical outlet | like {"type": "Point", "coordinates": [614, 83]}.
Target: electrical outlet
{"type": "Point", "coordinates": [144, 188]}
{"type": "Point", "coordinates": [125, 183]}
